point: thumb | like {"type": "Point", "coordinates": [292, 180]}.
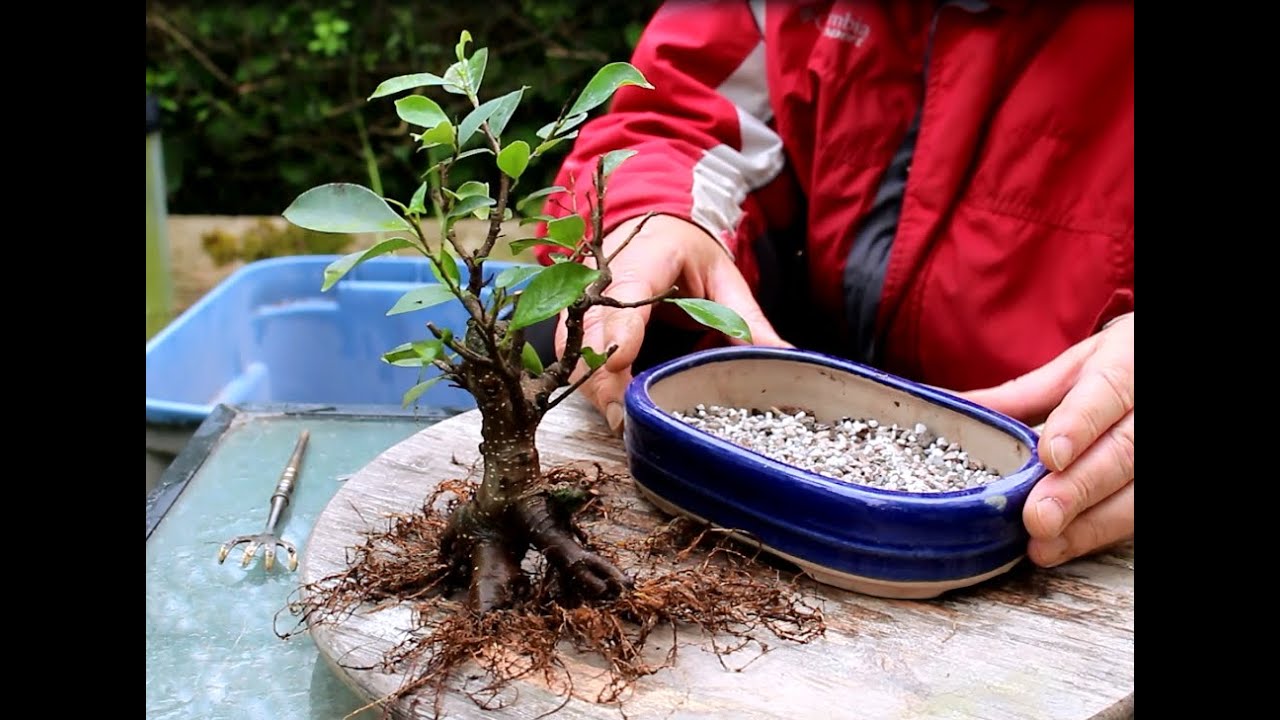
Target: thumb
{"type": "Point", "coordinates": [726, 286]}
{"type": "Point", "coordinates": [1031, 397]}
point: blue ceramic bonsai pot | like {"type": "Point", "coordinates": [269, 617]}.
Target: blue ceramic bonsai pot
{"type": "Point", "coordinates": [880, 542]}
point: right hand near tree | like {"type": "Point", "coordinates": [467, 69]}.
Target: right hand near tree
{"type": "Point", "coordinates": [668, 251]}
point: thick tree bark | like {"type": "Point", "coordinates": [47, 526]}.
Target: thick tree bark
{"type": "Point", "coordinates": [512, 510]}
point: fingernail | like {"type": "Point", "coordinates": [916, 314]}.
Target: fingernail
{"type": "Point", "coordinates": [613, 414]}
{"type": "Point", "coordinates": [1052, 518]}
{"type": "Point", "coordinates": [1060, 452]}
{"type": "Point", "coordinates": [1053, 552]}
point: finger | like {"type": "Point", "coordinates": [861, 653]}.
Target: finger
{"type": "Point", "coordinates": [561, 334]}
{"type": "Point", "coordinates": [1101, 396]}
{"type": "Point", "coordinates": [625, 327]}
{"type": "Point", "coordinates": [726, 286]}
{"type": "Point", "coordinates": [1107, 523]}
{"type": "Point", "coordinates": [645, 268]}
{"type": "Point", "coordinates": [1031, 397]}
{"type": "Point", "coordinates": [1061, 497]}
{"type": "Point", "coordinates": [605, 389]}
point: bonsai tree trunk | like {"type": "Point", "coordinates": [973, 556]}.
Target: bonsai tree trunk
{"type": "Point", "coordinates": [514, 509]}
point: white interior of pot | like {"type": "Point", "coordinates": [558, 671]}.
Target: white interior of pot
{"type": "Point", "coordinates": [832, 395]}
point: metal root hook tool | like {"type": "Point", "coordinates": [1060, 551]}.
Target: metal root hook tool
{"type": "Point", "coordinates": [268, 538]}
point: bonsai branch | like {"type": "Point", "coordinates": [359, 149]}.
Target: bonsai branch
{"type": "Point", "coordinates": [463, 351]}
{"type": "Point", "coordinates": [558, 373]}
{"type": "Point", "coordinates": [471, 303]}
{"type": "Point", "coordinates": [470, 298]}
{"type": "Point", "coordinates": [580, 381]}
{"type": "Point", "coordinates": [445, 206]}
{"type": "Point", "coordinates": [499, 210]}
{"type": "Point", "coordinates": [606, 301]}
{"type": "Point", "coordinates": [634, 232]}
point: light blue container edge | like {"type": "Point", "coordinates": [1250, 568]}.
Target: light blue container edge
{"type": "Point", "coordinates": [171, 413]}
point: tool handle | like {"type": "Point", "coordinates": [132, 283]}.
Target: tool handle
{"type": "Point", "coordinates": [284, 488]}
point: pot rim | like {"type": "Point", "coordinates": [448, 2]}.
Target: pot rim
{"type": "Point", "coordinates": [640, 406]}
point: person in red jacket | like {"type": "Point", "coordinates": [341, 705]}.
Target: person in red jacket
{"type": "Point", "coordinates": [943, 190]}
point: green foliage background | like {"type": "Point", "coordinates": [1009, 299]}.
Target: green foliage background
{"type": "Point", "coordinates": [262, 100]}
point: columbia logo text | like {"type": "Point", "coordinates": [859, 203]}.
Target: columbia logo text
{"type": "Point", "coordinates": [846, 28]}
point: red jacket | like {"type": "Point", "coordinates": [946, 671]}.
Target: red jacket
{"type": "Point", "coordinates": [774, 126]}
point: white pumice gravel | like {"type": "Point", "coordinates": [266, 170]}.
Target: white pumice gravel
{"type": "Point", "coordinates": [858, 451]}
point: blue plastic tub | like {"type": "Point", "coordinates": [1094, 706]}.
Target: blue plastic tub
{"type": "Point", "coordinates": [267, 334]}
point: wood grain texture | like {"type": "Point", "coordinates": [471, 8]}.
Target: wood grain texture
{"type": "Point", "coordinates": [1038, 644]}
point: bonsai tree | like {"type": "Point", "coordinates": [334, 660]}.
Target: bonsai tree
{"type": "Point", "coordinates": [514, 508]}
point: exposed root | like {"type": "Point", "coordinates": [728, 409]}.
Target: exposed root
{"type": "Point", "coordinates": [687, 579]}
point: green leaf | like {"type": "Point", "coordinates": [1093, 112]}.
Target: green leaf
{"type": "Point", "coordinates": [441, 134]}
{"type": "Point", "coordinates": [546, 146]}
{"type": "Point", "coordinates": [593, 358]}
{"type": "Point", "coordinates": [344, 208]}
{"type": "Point", "coordinates": [569, 123]}
{"type": "Point", "coordinates": [506, 108]}
{"type": "Point", "coordinates": [519, 246]}
{"type": "Point", "coordinates": [461, 49]}
{"type": "Point", "coordinates": [529, 358]}
{"type": "Point", "coordinates": [421, 111]}
{"type": "Point", "coordinates": [417, 202]}
{"type": "Point", "coordinates": [406, 82]}
{"type": "Point", "coordinates": [470, 204]}
{"type": "Point", "coordinates": [606, 81]}
{"type": "Point", "coordinates": [497, 111]}
{"type": "Point", "coordinates": [536, 219]}
{"type": "Point", "coordinates": [537, 195]}
{"type": "Point", "coordinates": [450, 269]}
{"type": "Point", "coordinates": [474, 119]}
{"type": "Point", "coordinates": [473, 151]}
{"type": "Point", "coordinates": [464, 77]}
{"type": "Point", "coordinates": [715, 316]}
{"type": "Point", "coordinates": [515, 275]}
{"type": "Point", "coordinates": [475, 69]}
{"type": "Point", "coordinates": [614, 158]}
{"type": "Point", "coordinates": [567, 231]}
{"type": "Point", "coordinates": [343, 265]}
{"type": "Point", "coordinates": [420, 299]}
{"type": "Point", "coordinates": [414, 354]}
{"type": "Point", "coordinates": [470, 188]}
{"type": "Point", "coordinates": [454, 79]}
{"type": "Point", "coordinates": [416, 391]}
{"type": "Point", "coordinates": [550, 291]}
{"type": "Point", "coordinates": [403, 356]}
{"type": "Point", "coordinates": [514, 158]}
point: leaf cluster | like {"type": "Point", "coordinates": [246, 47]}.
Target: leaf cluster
{"type": "Point", "coordinates": [499, 308]}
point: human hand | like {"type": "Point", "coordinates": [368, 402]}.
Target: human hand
{"type": "Point", "coordinates": [1085, 503]}
{"type": "Point", "coordinates": [667, 251]}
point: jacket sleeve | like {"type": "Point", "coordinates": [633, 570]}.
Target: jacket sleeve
{"type": "Point", "coordinates": [702, 135]}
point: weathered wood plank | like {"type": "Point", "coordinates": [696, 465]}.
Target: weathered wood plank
{"type": "Point", "coordinates": [1034, 643]}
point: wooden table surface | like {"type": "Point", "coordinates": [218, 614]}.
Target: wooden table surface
{"type": "Point", "coordinates": [1031, 645]}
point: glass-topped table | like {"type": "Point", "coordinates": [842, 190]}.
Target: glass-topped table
{"type": "Point", "coordinates": [212, 646]}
